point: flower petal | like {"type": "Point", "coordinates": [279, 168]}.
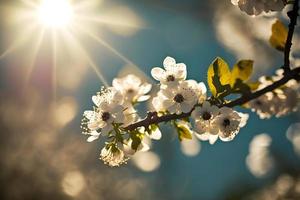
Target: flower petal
{"type": "Point", "coordinates": [158, 73]}
{"type": "Point", "coordinates": [169, 62]}
{"type": "Point", "coordinates": [92, 138]}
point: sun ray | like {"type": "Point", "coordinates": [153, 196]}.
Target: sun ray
{"type": "Point", "coordinates": [108, 46]}
{"type": "Point", "coordinates": [23, 38]}
{"type": "Point", "coordinates": [87, 57]}
{"type": "Point", "coordinates": [112, 49]}
{"type": "Point", "coordinates": [33, 57]}
{"type": "Point", "coordinates": [54, 66]}
{"type": "Point", "coordinates": [109, 21]}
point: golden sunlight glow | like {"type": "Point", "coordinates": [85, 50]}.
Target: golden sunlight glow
{"type": "Point", "coordinates": [67, 29]}
{"type": "Point", "coordinates": [55, 13]}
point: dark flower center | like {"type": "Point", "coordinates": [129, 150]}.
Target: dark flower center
{"type": "Point", "coordinates": [226, 122]}
{"type": "Point", "coordinates": [130, 91]}
{"type": "Point", "coordinates": [206, 115]}
{"type": "Point", "coordinates": [178, 98]}
{"type": "Point", "coordinates": [170, 78]}
{"type": "Point", "coordinates": [105, 116]}
{"type": "Point", "coordinates": [258, 102]}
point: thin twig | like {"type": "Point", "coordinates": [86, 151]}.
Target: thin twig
{"type": "Point", "coordinates": [153, 118]}
{"type": "Point", "coordinates": [293, 14]}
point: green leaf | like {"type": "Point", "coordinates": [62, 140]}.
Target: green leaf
{"type": "Point", "coordinates": [183, 132]}
{"type": "Point", "coordinates": [136, 138]}
{"type": "Point", "coordinates": [218, 76]}
{"type": "Point", "coordinates": [279, 35]}
{"type": "Point", "coordinates": [242, 70]}
{"type": "Point", "coordinates": [253, 85]}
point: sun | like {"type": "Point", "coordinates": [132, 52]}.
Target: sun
{"type": "Point", "coordinates": [55, 13]}
{"type": "Point", "coordinates": [64, 29]}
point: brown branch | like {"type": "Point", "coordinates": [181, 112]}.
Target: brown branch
{"type": "Point", "coordinates": [153, 118]}
{"type": "Point", "coordinates": [293, 14]}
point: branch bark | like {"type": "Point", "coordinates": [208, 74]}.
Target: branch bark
{"type": "Point", "coordinates": [153, 118]}
{"type": "Point", "coordinates": [293, 14]}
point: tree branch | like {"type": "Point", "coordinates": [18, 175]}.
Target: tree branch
{"type": "Point", "coordinates": [293, 14]}
{"type": "Point", "coordinates": [153, 118]}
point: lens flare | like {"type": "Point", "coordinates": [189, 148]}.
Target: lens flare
{"type": "Point", "coordinates": [55, 13]}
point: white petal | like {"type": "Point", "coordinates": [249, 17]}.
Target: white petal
{"type": "Point", "coordinates": [105, 130]}
{"type": "Point", "coordinates": [180, 71]}
{"type": "Point", "coordinates": [117, 83]}
{"type": "Point", "coordinates": [186, 107]}
{"type": "Point", "coordinates": [89, 114]}
{"type": "Point", "coordinates": [206, 105]}
{"type": "Point", "coordinates": [169, 62]}
{"type": "Point", "coordinates": [156, 135]}
{"type": "Point", "coordinates": [92, 138]}
{"type": "Point", "coordinates": [143, 98]}
{"type": "Point", "coordinates": [226, 110]}
{"type": "Point", "coordinates": [143, 147]}
{"type": "Point", "coordinates": [202, 87]}
{"type": "Point", "coordinates": [119, 117]}
{"type": "Point", "coordinates": [167, 103]}
{"type": "Point", "coordinates": [203, 137]}
{"type": "Point", "coordinates": [244, 119]}
{"type": "Point", "coordinates": [213, 139]}
{"type": "Point", "coordinates": [96, 99]}
{"type": "Point", "coordinates": [158, 73]}
{"type": "Point", "coordinates": [145, 88]}
{"type": "Point", "coordinates": [173, 109]}
{"type": "Point", "coordinates": [214, 110]}
{"type": "Point", "coordinates": [196, 113]}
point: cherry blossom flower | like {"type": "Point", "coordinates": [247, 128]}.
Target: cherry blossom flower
{"type": "Point", "coordinates": [143, 147]}
{"type": "Point", "coordinates": [204, 117]}
{"type": "Point", "coordinates": [181, 98]}
{"type": "Point", "coordinates": [278, 103]}
{"type": "Point", "coordinates": [112, 155]}
{"type": "Point", "coordinates": [172, 74]}
{"type": "Point", "coordinates": [132, 88]}
{"type": "Point", "coordinates": [229, 123]}
{"type": "Point", "coordinates": [207, 137]}
{"type": "Point", "coordinates": [108, 110]}
{"type": "Point", "coordinates": [256, 7]}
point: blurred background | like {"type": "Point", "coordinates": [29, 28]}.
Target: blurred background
{"type": "Point", "coordinates": [51, 65]}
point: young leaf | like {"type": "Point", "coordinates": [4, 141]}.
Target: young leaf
{"type": "Point", "coordinates": [183, 132]}
{"type": "Point", "coordinates": [253, 85]}
{"type": "Point", "coordinates": [136, 138]}
{"type": "Point", "coordinates": [218, 76]}
{"type": "Point", "coordinates": [279, 35]}
{"type": "Point", "coordinates": [242, 70]}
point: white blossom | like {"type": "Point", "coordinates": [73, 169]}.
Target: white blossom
{"type": "Point", "coordinates": [204, 117]}
{"type": "Point", "coordinates": [112, 155]}
{"type": "Point", "coordinates": [229, 123]}
{"type": "Point", "coordinates": [109, 110]}
{"type": "Point", "coordinates": [132, 88]}
{"type": "Point", "coordinates": [207, 137]}
{"type": "Point", "coordinates": [256, 7]}
{"type": "Point", "coordinates": [181, 98]}
{"type": "Point", "coordinates": [280, 101]}
{"type": "Point", "coordinates": [171, 74]}
{"type": "Point", "coordinates": [142, 147]}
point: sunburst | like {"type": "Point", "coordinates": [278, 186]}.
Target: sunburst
{"type": "Point", "coordinates": [50, 19]}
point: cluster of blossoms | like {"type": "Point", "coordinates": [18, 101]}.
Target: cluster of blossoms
{"type": "Point", "coordinates": [183, 103]}
{"type": "Point", "coordinates": [256, 7]}
{"type": "Point", "coordinates": [280, 101]}
{"type": "Point", "coordinates": [114, 110]}
{"type": "Point", "coordinates": [178, 95]}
